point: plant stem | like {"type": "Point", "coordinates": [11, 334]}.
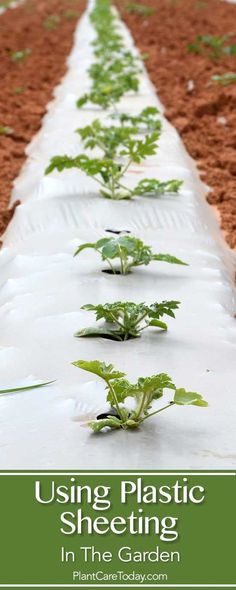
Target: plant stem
{"type": "Point", "coordinates": [125, 188]}
{"type": "Point", "coordinates": [158, 411]}
{"type": "Point", "coordinates": [124, 170]}
{"type": "Point", "coordinates": [100, 143]}
{"type": "Point", "coordinates": [114, 398]}
{"type": "Point", "coordinates": [140, 319]}
{"type": "Point", "coordinates": [141, 406]}
{"type": "Point", "coordinates": [117, 322]}
{"type": "Point", "coordinates": [121, 263]}
{"type": "Point", "coordinates": [97, 180]}
{"type": "Point", "coordinates": [110, 264]}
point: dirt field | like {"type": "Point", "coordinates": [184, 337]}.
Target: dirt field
{"type": "Point", "coordinates": [35, 40]}
{"type": "Point", "coordinates": [203, 112]}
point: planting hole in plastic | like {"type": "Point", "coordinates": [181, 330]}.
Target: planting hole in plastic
{"type": "Point", "coordinates": [118, 231]}
{"type": "Point", "coordinates": [108, 413]}
{"type": "Point", "coordinates": [108, 271]}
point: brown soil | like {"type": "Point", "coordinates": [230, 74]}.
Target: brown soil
{"type": "Point", "coordinates": [26, 85]}
{"type": "Point", "coordinates": [203, 112]}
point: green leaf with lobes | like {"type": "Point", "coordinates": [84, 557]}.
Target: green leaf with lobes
{"type": "Point", "coordinates": [126, 319]}
{"type": "Point", "coordinates": [152, 186]}
{"type": "Point", "coordinates": [111, 422]}
{"type": "Point", "coordinates": [147, 119]}
{"type": "Point", "coordinates": [183, 397]}
{"type": "Point", "coordinates": [104, 371]}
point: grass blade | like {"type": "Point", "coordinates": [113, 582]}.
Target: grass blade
{"type": "Point", "coordinates": [24, 388]}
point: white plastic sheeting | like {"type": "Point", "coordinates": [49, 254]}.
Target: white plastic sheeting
{"type": "Point", "coordinates": [43, 288]}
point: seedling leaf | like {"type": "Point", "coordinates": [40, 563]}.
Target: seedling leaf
{"type": "Point", "coordinates": [183, 397]}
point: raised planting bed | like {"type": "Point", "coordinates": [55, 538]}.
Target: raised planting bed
{"type": "Point", "coordinates": [115, 281]}
{"type": "Point", "coordinates": [188, 43]}
{"type": "Point", "coordinates": [35, 39]}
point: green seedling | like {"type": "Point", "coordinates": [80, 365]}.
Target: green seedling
{"type": "Point", "coordinates": [108, 173]}
{"type": "Point", "coordinates": [19, 56]}
{"type": "Point", "coordinates": [129, 251]}
{"type": "Point", "coordinates": [52, 22]}
{"type": "Point", "coordinates": [5, 130]}
{"type": "Point", "coordinates": [108, 140]}
{"type": "Point", "coordinates": [108, 44]}
{"type": "Point", "coordinates": [121, 71]}
{"type": "Point", "coordinates": [225, 79]}
{"type": "Point", "coordinates": [114, 140]}
{"type": "Point", "coordinates": [111, 66]}
{"type": "Point", "coordinates": [213, 46]}
{"type": "Point", "coordinates": [125, 320]}
{"type": "Point", "coordinates": [140, 9]}
{"type": "Point", "coordinates": [68, 14]}
{"type": "Point", "coordinates": [24, 388]}
{"type": "Point", "coordinates": [108, 92]}
{"type": "Point", "coordinates": [18, 90]}
{"type": "Point", "coordinates": [147, 120]}
{"type": "Point", "coordinates": [144, 392]}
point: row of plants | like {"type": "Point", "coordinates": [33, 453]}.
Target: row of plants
{"type": "Point", "coordinates": [215, 47]}
{"type": "Point", "coordinates": [129, 139]}
{"type": "Point", "coordinates": [122, 140]}
{"type": "Point", "coordinates": [119, 142]}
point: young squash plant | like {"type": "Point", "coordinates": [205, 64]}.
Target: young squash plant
{"type": "Point", "coordinates": [108, 139]}
{"type": "Point", "coordinates": [146, 121]}
{"type": "Point", "coordinates": [108, 44]}
{"type": "Point", "coordinates": [125, 319]}
{"type": "Point", "coordinates": [129, 251]}
{"type": "Point", "coordinates": [144, 392]}
{"type": "Point", "coordinates": [108, 173]}
{"type": "Point", "coordinates": [111, 66]}
{"type": "Point", "coordinates": [109, 88]}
